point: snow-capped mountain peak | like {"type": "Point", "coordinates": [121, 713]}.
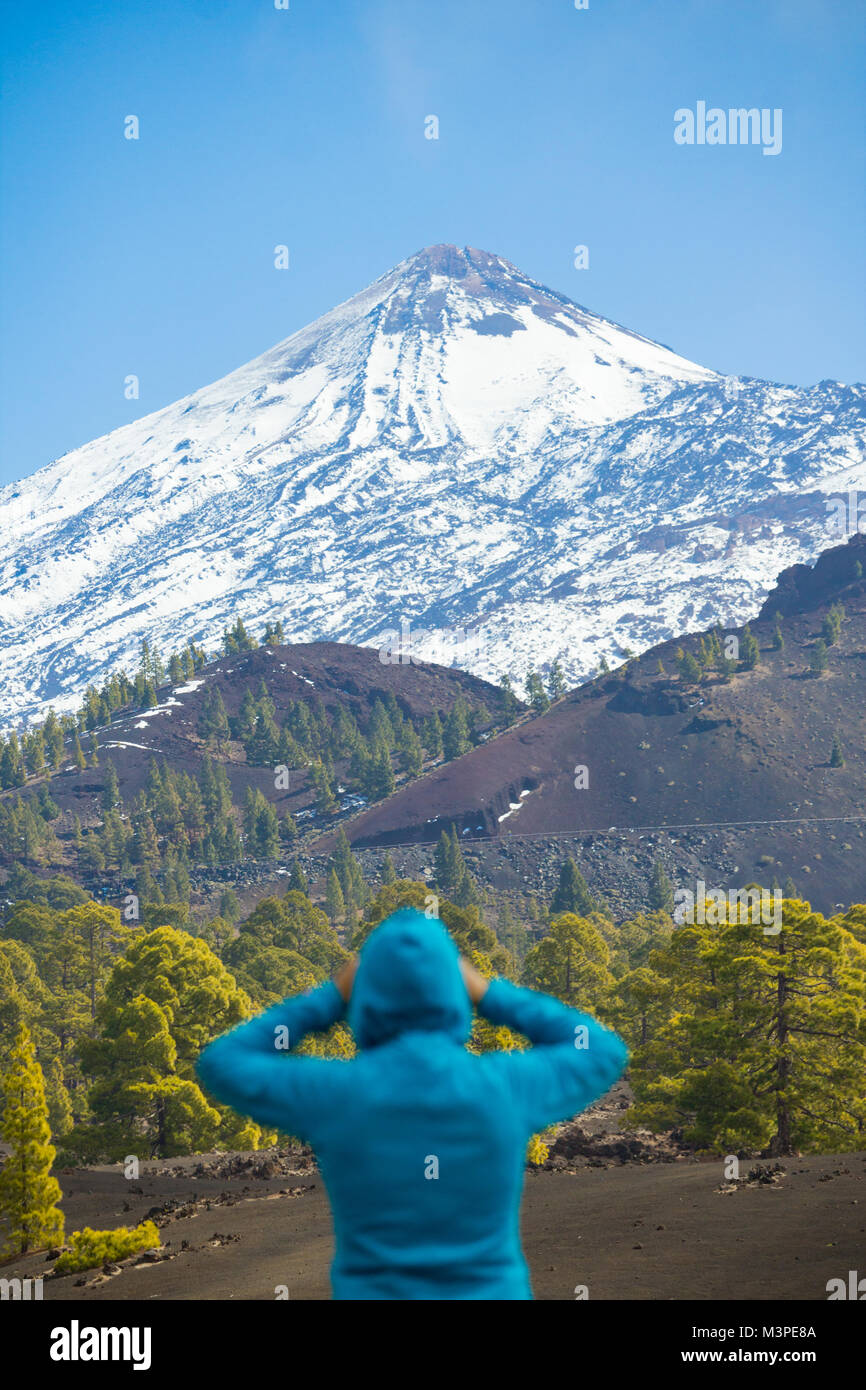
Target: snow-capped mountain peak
{"type": "Point", "coordinates": [456, 445]}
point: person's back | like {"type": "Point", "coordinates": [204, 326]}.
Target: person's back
{"type": "Point", "coordinates": [421, 1143]}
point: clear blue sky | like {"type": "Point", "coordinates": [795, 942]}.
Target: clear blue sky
{"type": "Point", "coordinates": [306, 127]}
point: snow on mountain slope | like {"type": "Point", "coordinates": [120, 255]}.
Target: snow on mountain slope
{"type": "Point", "coordinates": [456, 446]}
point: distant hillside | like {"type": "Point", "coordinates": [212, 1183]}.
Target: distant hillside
{"type": "Point", "coordinates": [717, 768]}
{"type": "Point", "coordinates": [336, 674]}
{"type": "Point", "coordinates": [670, 750]}
{"type": "Point", "coordinates": [316, 730]}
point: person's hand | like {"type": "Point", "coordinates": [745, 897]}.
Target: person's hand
{"type": "Point", "coordinates": [345, 977]}
{"type": "Point", "coordinates": [475, 982]}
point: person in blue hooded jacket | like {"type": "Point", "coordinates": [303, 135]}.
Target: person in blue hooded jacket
{"type": "Point", "coordinates": [421, 1143]}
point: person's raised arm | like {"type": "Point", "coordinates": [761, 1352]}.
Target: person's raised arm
{"type": "Point", "coordinates": [253, 1068]}
{"type": "Point", "coordinates": [572, 1061]}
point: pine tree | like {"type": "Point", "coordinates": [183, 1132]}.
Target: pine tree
{"type": "Point", "coordinates": [509, 699]}
{"type": "Point", "coordinates": [326, 802]}
{"type": "Point", "coordinates": [213, 722]}
{"type": "Point", "coordinates": [837, 757]}
{"type": "Point", "coordinates": [381, 775]}
{"type": "Point", "coordinates": [48, 808]}
{"type": "Point", "coordinates": [687, 666]}
{"type": "Point", "coordinates": [335, 904]}
{"type": "Point", "coordinates": [12, 771]}
{"type": "Point", "coordinates": [536, 695]}
{"type": "Point", "coordinates": [465, 893]}
{"type": "Point", "coordinates": [432, 735]}
{"type": "Point", "coordinates": [455, 736]}
{"type": "Point", "coordinates": [230, 907]}
{"type": "Point", "coordinates": [57, 1098]}
{"type": "Point", "coordinates": [819, 662]}
{"type": "Point", "coordinates": [572, 894]}
{"type": "Point", "coordinates": [763, 1043]}
{"type": "Point", "coordinates": [778, 639]}
{"type": "Point", "coordinates": [349, 874]}
{"type": "Point", "coordinates": [751, 652]}
{"type": "Point", "coordinates": [389, 873]}
{"type": "Point", "coordinates": [78, 754]}
{"type": "Point", "coordinates": [661, 893]}
{"type": "Point", "coordinates": [298, 880]}
{"type": "Point", "coordinates": [444, 864]}
{"type": "Point", "coordinates": [244, 643]}
{"type": "Point", "coordinates": [555, 681]}
{"type": "Point", "coordinates": [453, 878]}
{"type": "Point", "coordinates": [110, 788]}
{"type": "Point", "coordinates": [572, 962]}
{"type": "Point", "coordinates": [261, 826]}
{"type": "Point", "coordinates": [411, 752]}
{"type": "Point", "coordinates": [832, 624]}
{"type": "Point", "coordinates": [164, 1000]}
{"type": "Point", "coordinates": [29, 1214]}
{"type": "Point", "coordinates": [34, 748]}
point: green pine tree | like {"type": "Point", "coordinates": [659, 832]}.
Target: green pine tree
{"type": "Point", "coordinates": [29, 1215]}
{"type": "Point", "coordinates": [661, 892]}
{"type": "Point", "coordinates": [110, 788]}
{"type": "Point", "coordinates": [536, 695]}
{"type": "Point", "coordinates": [455, 735]}
{"type": "Point", "coordinates": [555, 681]}
{"type": "Point", "coordinates": [335, 904]}
{"type": "Point", "coordinates": [298, 880]}
{"type": "Point", "coordinates": [78, 754]}
{"type": "Point", "coordinates": [751, 652]}
{"type": "Point", "coordinates": [572, 893]}
{"type": "Point", "coordinates": [230, 908]}
{"type": "Point", "coordinates": [818, 664]}
{"type": "Point", "coordinates": [572, 962]}
{"type": "Point", "coordinates": [687, 666]}
{"type": "Point", "coordinates": [509, 699]}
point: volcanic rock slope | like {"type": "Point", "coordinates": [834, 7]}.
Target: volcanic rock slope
{"type": "Point", "coordinates": [456, 446]}
{"type": "Point", "coordinates": [329, 674]}
{"type": "Point", "coordinates": [639, 751]}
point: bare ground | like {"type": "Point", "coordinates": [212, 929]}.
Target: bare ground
{"type": "Point", "coordinates": [666, 1230]}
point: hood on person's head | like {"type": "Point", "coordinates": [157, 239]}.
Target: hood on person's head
{"type": "Point", "coordinates": [408, 979]}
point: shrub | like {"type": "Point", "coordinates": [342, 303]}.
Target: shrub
{"type": "Point", "coordinates": [537, 1151]}
{"type": "Point", "coordinates": [89, 1248]}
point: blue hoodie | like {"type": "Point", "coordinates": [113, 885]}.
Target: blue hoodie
{"type": "Point", "coordinates": [421, 1144]}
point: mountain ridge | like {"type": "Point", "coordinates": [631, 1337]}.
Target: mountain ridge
{"type": "Point", "coordinates": [456, 446]}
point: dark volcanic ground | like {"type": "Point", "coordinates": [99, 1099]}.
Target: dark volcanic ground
{"type": "Point", "coordinates": [663, 1230]}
